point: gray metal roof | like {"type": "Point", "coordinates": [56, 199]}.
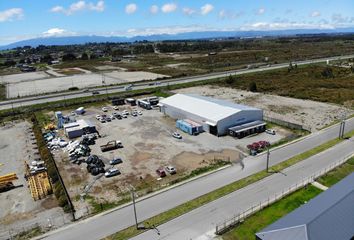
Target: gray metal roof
{"type": "Point", "coordinates": [209, 108]}
{"type": "Point", "coordinates": [329, 216]}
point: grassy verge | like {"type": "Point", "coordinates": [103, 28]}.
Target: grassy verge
{"type": "Point", "coordinates": [36, 231]}
{"type": "Point", "coordinates": [195, 203]}
{"type": "Point", "coordinates": [337, 174]}
{"type": "Point", "coordinates": [261, 219]}
{"type": "Point", "coordinates": [2, 92]}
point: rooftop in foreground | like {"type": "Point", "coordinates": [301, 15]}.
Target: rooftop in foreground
{"type": "Point", "coordinates": [329, 216]}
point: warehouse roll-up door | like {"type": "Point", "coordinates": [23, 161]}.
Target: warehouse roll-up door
{"type": "Point", "coordinates": [213, 130]}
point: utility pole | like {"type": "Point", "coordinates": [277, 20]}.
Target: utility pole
{"type": "Point", "coordinates": [135, 215]}
{"type": "Point", "coordinates": [268, 155]}
{"type": "Point", "coordinates": [341, 128]}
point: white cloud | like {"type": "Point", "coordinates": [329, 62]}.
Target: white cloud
{"type": "Point", "coordinates": [226, 14]}
{"type": "Point", "coordinates": [131, 8]}
{"type": "Point", "coordinates": [265, 26]}
{"type": "Point", "coordinates": [207, 8]}
{"type": "Point", "coordinates": [169, 7]}
{"type": "Point", "coordinates": [188, 11]}
{"type": "Point", "coordinates": [11, 14]}
{"type": "Point", "coordinates": [79, 6]}
{"type": "Point", "coordinates": [154, 9]}
{"type": "Point", "coordinates": [99, 7]}
{"type": "Point", "coordinates": [57, 32]}
{"type": "Point", "coordinates": [315, 14]}
{"type": "Point", "coordinates": [261, 11]}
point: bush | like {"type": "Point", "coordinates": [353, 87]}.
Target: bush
{"type": "Point", "coordinates": [253, 87]}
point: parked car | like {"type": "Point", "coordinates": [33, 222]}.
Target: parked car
{"type": "Point", "coordinates": [270, 131]}
{"type": "Point", "coordinates": [108, 118]}
{"type": "Point", "coordinates": [112, 172]}
{"type": "Point", "coordinates": [161, 172]}
{"type": "Point", "coordinates": [102, 120]}
{"type": "Point", "coordinates": [95, 92]}
{"type": "Point", "coordinates": [104, 109]}
{"type": "Point", "coordinates": [177, 135]}
{"type": "Point", "coordinates": [171, 170]}
{"type": "Point", "coordinates": [98, 117]}
{"type": "Point", "coordinates": [140, 113]}
{"type": "Point", "coordinates": [115, 161]}
{"type": "Point", "coordinates": [116, 108]}
{"type": "Point", "coordinates": [134, 114]}
{"type": "Point", "coordinates": [125, 112]}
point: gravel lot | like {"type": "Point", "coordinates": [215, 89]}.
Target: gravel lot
{"type": "Point", "coordinates": [32, 87]}
{"type": "Point", "coordinates": [314, 115]}
{"type": "Point", "coordinates": [21, 77]}
{"type": "Point", "coordinates": [18, 210]}
{"type": "Point", "coordinates": [148, 145]}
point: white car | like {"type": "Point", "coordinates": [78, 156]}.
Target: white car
{"type": "Point", "coordinates": [171, 170]}
{"type": "Point", "coordinates": [104, 109]}
{"type": "Point", "coordinates": [98, 117]}
{"type": "Point", "coordinates": [270, 131]}
{"type": "Point", "coordinates": [116, 108]}
{"type": "Point", "coordinates": [125, 112]}
{"type": "Point", "coordinates": [177, 135]}
{"type": "Point", "coordinates": [112, 172]}
{"type": "Point", "coordinates": [140, 113]}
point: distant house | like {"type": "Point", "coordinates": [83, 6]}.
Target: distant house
{"type": "Point", "coordinates": [329, 216]}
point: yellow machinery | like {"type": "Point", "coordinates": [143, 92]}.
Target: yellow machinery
{"type": "Point", "coordinates": [6, 181]}
{"type": "Point", "coordinates": [38, 183]}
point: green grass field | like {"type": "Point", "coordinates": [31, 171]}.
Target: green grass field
{"type": "Point", "coordinates": [261, 219]}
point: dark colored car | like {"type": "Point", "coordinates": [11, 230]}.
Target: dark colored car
{"type": "Point", "coordinates": [161, 172]}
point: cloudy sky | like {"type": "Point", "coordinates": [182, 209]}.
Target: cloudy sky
{"type": "Point", "coordinates": [24, 19]}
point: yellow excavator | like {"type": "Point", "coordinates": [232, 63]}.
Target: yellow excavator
{"type": "Point", "coordinates": [6, 182]}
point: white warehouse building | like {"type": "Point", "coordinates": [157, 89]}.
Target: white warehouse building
{"type": "Point", "coordinates": [216, 116]}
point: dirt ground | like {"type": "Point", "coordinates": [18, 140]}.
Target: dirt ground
{"type": "Point", "coordinates": [311, 114]}
{"type": "Point", "coordinates": [148, 145]}
{"type": "Point", "coordinates": [18, 209]}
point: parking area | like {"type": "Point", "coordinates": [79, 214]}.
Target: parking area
{"type": "Point", "coordinates": [148, 145]}
{"type": "Point", "coordinates": [18, 209]}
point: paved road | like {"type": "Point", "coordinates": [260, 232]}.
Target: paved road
{"type": "Point", "coordinates": [200, 223]}
{"type": "Point", "coordinates": [65, 96]}
{"type": "Point", "coordinates": [108, 223]}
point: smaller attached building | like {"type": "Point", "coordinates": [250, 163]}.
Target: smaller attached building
{"type": "Point", "coordinates": [216, 116]}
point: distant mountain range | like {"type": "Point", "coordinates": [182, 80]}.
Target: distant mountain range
{"type": "Point", "coordinates": [161, 37]}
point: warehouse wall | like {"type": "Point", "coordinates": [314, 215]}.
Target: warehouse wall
{"type": "Point", "coordinates": [177, 113]}
{"type": "Point", "coordinates": [238, 119]}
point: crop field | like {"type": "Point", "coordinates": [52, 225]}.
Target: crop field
{"type": "Point", "coordinates": [315, 82]}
